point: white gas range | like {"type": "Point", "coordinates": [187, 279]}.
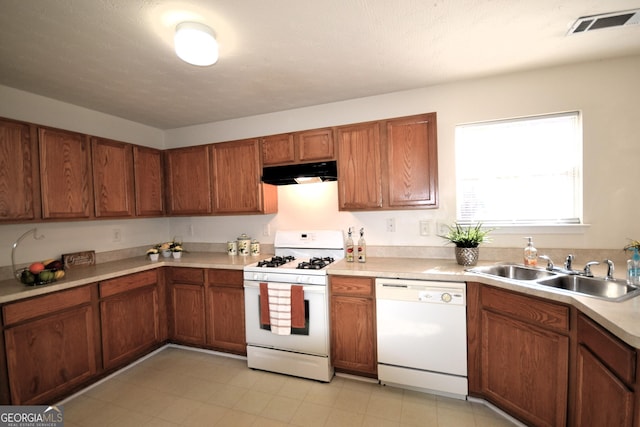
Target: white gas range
{"type": "Point", "coordinates": [301, 258]}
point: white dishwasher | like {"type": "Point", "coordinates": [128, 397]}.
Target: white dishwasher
{"type": "Point", "coordinates": [422, 335]}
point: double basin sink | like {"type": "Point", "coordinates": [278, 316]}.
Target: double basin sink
{"type": "Point", "coordinates": [607, 289]}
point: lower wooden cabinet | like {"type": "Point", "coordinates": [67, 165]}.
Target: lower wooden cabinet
{"type": "Point", "coordinates": [51, 345]}
{"type": "Point", "coordinates": [225, 311]}
{"type": "Point", "coordinates": [206, 308]}
{"type": "Point", "coordinates": [605, 373]}
{"type": "Point", "coordinates": [519, 354]}
{"type": "Point", "coordinates": [187, 321]}
{"type": "Point", "coordinates": [353, 325]}
{"type": "Point", "coordinates": [130, 316]}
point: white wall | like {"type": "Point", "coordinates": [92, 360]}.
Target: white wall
{"type": "Point", "coordinates": [605, 92]}
{"type": "Point", "coordinates": [20, 105]}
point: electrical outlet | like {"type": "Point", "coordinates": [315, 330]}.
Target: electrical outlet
{"type": "Point", "coordinates": [425, 228]}
{"type": "Point", "coordinates": [266, 230]}
{"type": "Point", "coordinates": [391, 225]}
{"type": "Point", "coordinates": [117, 235]}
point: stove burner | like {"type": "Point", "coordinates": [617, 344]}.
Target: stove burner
{"type": "Point", "coordinates": [315, 263]}
{"type": "Point", "coordinates": [275, 261]}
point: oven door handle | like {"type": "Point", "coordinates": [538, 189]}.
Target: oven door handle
{"type": "Point", "coordinates": [312, 289]}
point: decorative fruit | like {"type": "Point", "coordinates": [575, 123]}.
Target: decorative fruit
{"type": "Point", "coordinates": [27, 277]}
{"type": "Point", "coordinates": [36, 267]}
{"type": "Point", "coordinates": [46, 275]}
{"type": "Point", "coordinates": [47, 261]}
{"type": "Point", "coordinates": [59, 274]}
{"type": "Point", "coordinates": [54, 265]}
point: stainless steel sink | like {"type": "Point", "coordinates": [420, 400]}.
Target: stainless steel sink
{"type": "Point", "coordinates": [513, 271]}
{"type": "Point", "coordinates": [614, 290]}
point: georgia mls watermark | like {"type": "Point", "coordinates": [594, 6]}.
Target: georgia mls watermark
{"type": "Point", "coordinates": [31, 416]}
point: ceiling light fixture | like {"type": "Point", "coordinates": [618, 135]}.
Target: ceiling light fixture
{"type": "Point", "coordinates": [196, 44]}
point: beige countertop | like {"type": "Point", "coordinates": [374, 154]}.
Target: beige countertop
{"type": "Point", "coordinates": [621, 318]}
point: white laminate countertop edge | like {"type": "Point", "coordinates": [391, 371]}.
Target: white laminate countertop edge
{"type": "Point", "coordinates": [620, 318]}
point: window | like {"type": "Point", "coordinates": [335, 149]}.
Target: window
{"type": "Point", "coordinates": [520, 171]}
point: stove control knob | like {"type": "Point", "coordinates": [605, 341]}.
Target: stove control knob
{"type": "Point", "coordinates": [446, 297]}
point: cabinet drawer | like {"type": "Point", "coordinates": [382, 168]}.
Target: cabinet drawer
{"type": "Point", "coordinates": [618, 356]}
{"type": "Point", "coordinates": [231, 278]}
{"type": "Point", "coordinates": [347, 285]}
{"type": "Point", "coordinates": [187, 275]}
{"type": "Point", "coordinates": [127, 283]}
{"type": "Point", "coordinates": [542, 313]}
{"type": "Point", "coordinates": [39, 306]}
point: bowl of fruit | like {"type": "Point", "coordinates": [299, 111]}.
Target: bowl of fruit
{"type": "Point", "coordinates": [41, 273]}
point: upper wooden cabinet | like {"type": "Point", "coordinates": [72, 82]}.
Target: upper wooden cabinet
{"type": "Point", "coordinates": [189, 178]}
{"type": "Point", "coordinates": [19, 196]}
{"type": "Point", "coordinates": [112, 178]}
{"type": "Point", "coordinates": [299, 147]}
{"type": "Point", "coordinates": [236, 179]}
{"type": "Point", "coordinates": [148, 179]}
{"type": "Point", "coordinates": [412, 170]}
{"type": "Point", "coordinates": [65, 174]}
{"type": "Point", "coordinates": [359, 171]}
{"type": "Point", "coordinates": [389, 164]}
{"type": "Point", "coordinates": [278, 149]}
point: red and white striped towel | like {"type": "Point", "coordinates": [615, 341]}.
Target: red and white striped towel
{"type": "Point", "coordinates": [285, 306]}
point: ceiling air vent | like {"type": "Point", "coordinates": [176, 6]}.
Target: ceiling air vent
{"type": "Point", "coordinates": [605, 20]}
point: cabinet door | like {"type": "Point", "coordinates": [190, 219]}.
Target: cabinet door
{"type": "Point", "coordinates": [315, 145]}
{"type": "Point", "coordinates": [130, 325]}
{"type": "Point", "coordinates": [225, 306]}
{"type": "Point", "coordinates": [18, 172]}
{"type": "Point", "coordinates": [187, 316]}
{"type": "Point", "coordinates": [225, 311]}
{"type": "Point", "coordinates": [189, 180]}
{"type": "Point", "coordinates": [149, 193]}
{"type": "Point", "coordinates": [49, 356]}
{"type": "Point", "coordinates": [594, 383]}
{"type": "Point", "coordinates": [525, 369]}
{"type": "Point", "coordinates": [359, 174]}
{"type": "Point", "coordinates": [353, 337]}
{"type": "Point", "coordinates": [65, 161]}
{"type": "Point", "coordinates": [412, 161]}
{"type": "Point", "coordinates": [236, 184]}
{"type": "Point", "coordinates": [112, 178]}
{"type": "Point", "coordinates": [278, 149]}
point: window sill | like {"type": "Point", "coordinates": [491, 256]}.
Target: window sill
{"type": "Point", "coordinates": [537, 228]}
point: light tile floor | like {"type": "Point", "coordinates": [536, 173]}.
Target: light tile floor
{"type": "Point", "coordinates": [181, 387]}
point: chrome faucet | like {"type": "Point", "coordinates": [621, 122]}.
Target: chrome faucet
{"type": "Point", "coordinates": [550, 265]}
{"type": "Point", "coordinates": [568, 261]}
{"type": "Point", "coordinates": [610, 269]}
{"type": "Point", "coordinates": [587, 268]}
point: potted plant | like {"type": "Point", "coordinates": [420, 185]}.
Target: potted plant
{"type": "Point", "coordinates": [467, 240]}
{"type": "Point", "coordinates": [632, 246]}
{"type": "Point", "coordinates": [176, 249]}
{"type": "Point", "coordinates": [153, 253]}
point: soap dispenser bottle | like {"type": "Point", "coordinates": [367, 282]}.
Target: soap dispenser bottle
{"type": "Point", "coordinates": [362, 247]}
{"type": "Point", "coordinates": [349, 246]}
{"type": "Point", "coordinates": [633, 269]}
{"type": "Point", "coordinates": [530, 254]}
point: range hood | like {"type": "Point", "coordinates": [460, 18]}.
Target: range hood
{"type": "Point", "coordinates": [301, 173]}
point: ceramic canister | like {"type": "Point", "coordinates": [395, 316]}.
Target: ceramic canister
{"type": "Point", "coordinates": [244, 244]}
{"type": "Point", "coordinates": [255, 247]}
{"type": "Point", "coordinates": [232, 247]}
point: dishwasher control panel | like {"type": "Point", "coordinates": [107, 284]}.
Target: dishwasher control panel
{"type": "Point", "coordinates": [453, 293]}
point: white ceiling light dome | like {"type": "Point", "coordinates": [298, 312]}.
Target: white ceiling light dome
{"type": "Point", "coordinates": [196, 44]}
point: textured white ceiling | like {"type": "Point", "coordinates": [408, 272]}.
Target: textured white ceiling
{"type": "Point", "coordinates": [116, 56]}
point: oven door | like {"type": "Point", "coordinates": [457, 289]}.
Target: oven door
{"type": "Point", "coordinates": [313, 339]}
